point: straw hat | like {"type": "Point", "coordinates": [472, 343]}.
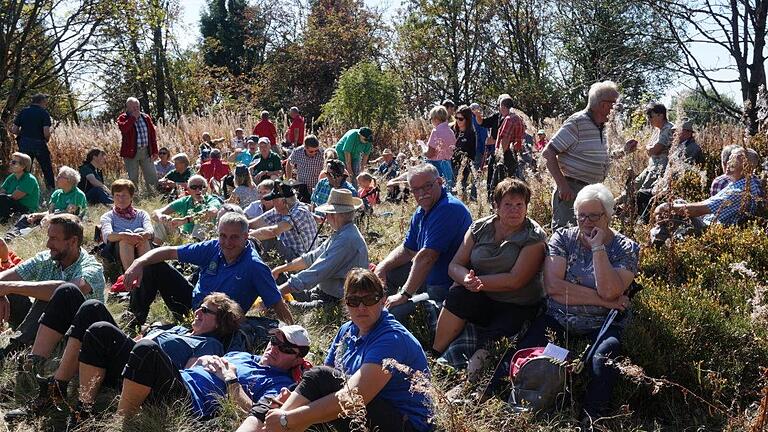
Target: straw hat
{"type": "Point", "coordinates": [387, 152]}
{"type": "Point", "coordinates": [340, 201]}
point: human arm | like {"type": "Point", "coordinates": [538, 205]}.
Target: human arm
{"type": "Point", "coordinates": [289, 169]}
{"type": "Point", "coordinates": [126, 121]}
{"type": "Point", "coordinates": [133, 274]}
{"type": "Point", "coordinates": [528, 263]}
{"type": "Point", "coordinates": [227, 371]}
{"type": "Point", "coordinates": [571, 294]}
{"type": "Point", "coordinates": [18, 194]}
{"type": "Point", "coordinates": [293, 266]}
{"type": "Point", "coordinates": [94, 181]}
{"type": "Point", "coordinates": [423, 261]}
{"type": "Point", "coordinates": [363, 161]}
{"type": "Point", "coordinates": [282, 312]}
{"type": "Point", "coordinates": [271, 231]}
{"type": "Point", "coordinates": [399, 256]}
{"type": "Point", "coordinates": [47, 132]}
{"type": "Point", "coordinates": [553, 166]}
{"type": "Point", "coordinates": [11, 283]}
{"type": "Point", "coordinates": [696, 209]}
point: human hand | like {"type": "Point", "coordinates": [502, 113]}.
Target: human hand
{"type": "Point", "coordinates": [395, 300]}
{"type": "Point", "coordinates": [272, 421]}
{"type": "Point", "coordinates": [276, 272]}
{"type": "Point", "coordinates": [594, 237]}
{"type": "Point", "coordinates": [472, 282]}
{"type": "Point", "coordinates": [622, 303]}
{"type": "Point", "coordinates": [177, 222]}
{"type": "Point", "coordinates": [133, 274]}
{"type": "Point", "coordinates": [565, 192]}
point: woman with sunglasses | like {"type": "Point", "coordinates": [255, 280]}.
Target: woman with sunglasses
{"type": "Point", "coordinates": [99, 350]}
{"type": "Point", "coordinates": [465, 150]}
{"type": "Point", "coordinates": [354, 368]}
{"type": "Point", "coordinates": [163, 165]}
{"type": "Point", "coordinates": [20, 192]}
{"type": "Point", "coordinates": [587, 273]}
{"type": "Point", "coordinates": [183, 211]}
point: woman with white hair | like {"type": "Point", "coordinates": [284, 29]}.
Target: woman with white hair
{"type": "Point", "coordinates": [20, 191]}
{"type": "Point", "coordinates": [587, 273]}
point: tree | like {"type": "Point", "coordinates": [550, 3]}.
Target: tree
{"type": "Point", "coordinates": [738, 27]}
{"type": "Point", "coordinates": [701, 108]}
{"type": "Point", "coordinates": [365, 96]}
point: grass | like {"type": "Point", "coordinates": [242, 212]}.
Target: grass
{"type": "Point", "coordinates": [699, 323]}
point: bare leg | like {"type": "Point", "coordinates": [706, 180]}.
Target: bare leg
{"type": "Point", "coordinates": [91, 378]}
{"type": "Point", "coordinates": [127, 253]}
{"type": "Point", "coordinates": [45, 341]}
{"type": "Point", "coordinates": [131, 398]}
{"type": "Point", "coordinates": [68, 366]}
{"type": "Point", "coordinates": [142, 248]}
{"type": "Point", "coordinates": [251, 424]}
{"type": "Point", "coordinates": [449, 326]}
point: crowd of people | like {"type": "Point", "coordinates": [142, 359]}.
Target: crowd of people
{"type": "Point", "coordinates": [255, 202]}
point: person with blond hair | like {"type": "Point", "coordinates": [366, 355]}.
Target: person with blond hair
{"type": "Point", "coordinates": [20, 192]}
{"type": "Point", "coordinates": [441, 143]}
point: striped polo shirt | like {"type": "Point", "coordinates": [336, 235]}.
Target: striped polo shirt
{"type": "Point", "coordinates": [582, 150]}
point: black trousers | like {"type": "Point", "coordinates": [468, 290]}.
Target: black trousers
{"type": "Point", "coordinates": [9, 207]}
{"type": "Point", "coordinates": [380, 415]}
{"type": "Point", "coordinates": [173, 287]}
{"type": "Point", "coordinates": [69, 313]}
{"type": "Point", "coordinates": [105, 346]}
{"type": "Point", "coordinates": [150, 366]}
{"type": "Point", "coordinates": [38, 149]}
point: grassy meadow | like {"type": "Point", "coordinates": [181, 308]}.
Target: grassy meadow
{"type": "Point", "coordinates": [696, 352]}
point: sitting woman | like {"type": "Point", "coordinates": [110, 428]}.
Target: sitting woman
{"type": "Point", "coordinates": [497, 271]}
{"type": "Point", "coordinates": [20, 192]}
{"type": "Point", "coordinates": [92, 177]}
{"type": "Point", "coordinates": [245, 192]}
{"type": "Point", "coordinates": [179, 176]}
{"type": "Point", "coordinates": [66, 198]}
{"type": "Point", "coordinates": [183, 212]}
{"type": "Point", "coordinates": [163, 166]}
{"type": "Point", "coordinates": [126, 231]}
{"type": "Point", "coordinates": [587, 273]}
{"type": "Point", "coordinates": [99, 349]}
{"type": "Point", "coordinates": [358, 372]}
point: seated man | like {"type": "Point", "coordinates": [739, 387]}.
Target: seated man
{"type": "Point", "coordinates": [245, 155]}
{"type": "Point", "coordinates": [289, 228]}
{"type": "Point", "coordinates": [436, 232]}
{"type": "Point", "coordinates": [687, 147]}
{"type": "Point", "coordinates": [39, 276]}
{"type": "Point", "coordinates": [335, 177]}
{"type": "Point", "coordinates": [229, 265]}
{"type": "Point", "coordinates": [266, 164]}
{"type": "Point", "coordinates": [721, 181]}
{"type": "Point", "coordinates": [322, 270]}
{"type": "Point", "coordinates": [246, 378]}
{"type": "Point", "coordinates": [214, 170]}
{"type": "Point", "coordinates": [180, 174]}
{"type": "Point", "coordinates": [188, 210]}
{"type": "Point", "coordinates": [733, 203]}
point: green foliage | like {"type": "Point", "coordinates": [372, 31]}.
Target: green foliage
{"type": "Point", "coordinates": [700, 108]}
{"type": "Point", "coordinates": [365, 96]}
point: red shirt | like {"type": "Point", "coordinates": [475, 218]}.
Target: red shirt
{"type": "Point", "coordinates": [511, 131]}
{"type": "Point", "coordinates": [214, 168]}
{"type": "Point", "coordinates": [296, 123]}
{"type": "Point", "coordinates": [265, 128]}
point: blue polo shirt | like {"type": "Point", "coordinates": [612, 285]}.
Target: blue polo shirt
{"type": "Point", "coordinates": [181, 345]}
{"type": "Point", "coordinates": [441, 229]}
{"type": "Point", "coordinates": [243, 280]}
{"type": "Point", "coordinates": [387, 340]}
{"type": "Point", "coordinates": [206, 389]}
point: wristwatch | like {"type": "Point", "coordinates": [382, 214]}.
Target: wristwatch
{"type": "Point", "coordinates": [231, 381]}
{"type": "Point", "coordinates": [598, 248]}
{"type": "Point", "coordinates": [406, 293]}
{"type": "Point", "coordinates": [284, 421]}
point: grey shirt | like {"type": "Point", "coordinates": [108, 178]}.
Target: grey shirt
{"type": "Point", "coordinates": [110, 222]}
{"type": "Point", "coordinates": [330, 262]}
{"type": "Point", "coordinates": [582, 151]}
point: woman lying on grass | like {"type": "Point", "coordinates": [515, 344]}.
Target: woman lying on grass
{"type": "Point", "coordinates": [353, 378]}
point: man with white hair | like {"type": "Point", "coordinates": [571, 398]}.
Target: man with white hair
{"type": "Point", "coordinates": [139, 144]}
{"type": "Point", "coordinates": [294, 136]}
{"type": "Point", "coordinates": [578, 153]}
{"type": "Point", "coordinates": [721, 181]}
{"type": "Point", "coordinates": [228, 264]}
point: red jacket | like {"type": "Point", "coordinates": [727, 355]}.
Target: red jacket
{"type": "Point", "coordinates": [214, 168]}
{"type": "Point", "coordinates": [126, 123]}
{"type": "Point", "coordinates": [265, 128]}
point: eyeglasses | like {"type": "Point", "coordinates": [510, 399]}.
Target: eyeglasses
{"type": "Point", "coordinates": [367, 300]}
{"type": "Point", "coordinates": [283, 347]}
{"type": "Point", "coordinates": [14, 162]}
{"type": "Point", "coordinates": [163, 153]}
{"type": "Point", "coordinates": [204, 309]}
{"type": "Point", "coordinates": [594, 217]}
{"type": "Point", "coordinates": [459, 118]}
{"type": "Point", "coordinates": [424, 188]}
{"type": "Point", "coordinates": [197, 187]}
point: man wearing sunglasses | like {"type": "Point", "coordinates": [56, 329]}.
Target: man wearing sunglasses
{"type": "Point", "coordinates": [336, 177]}
{"type": "Point", "coordinates": [252, 381]}
{"type": "Point", "coordinates": [228, 265]}
{"type": "Point", "coordinates": [197, 204]}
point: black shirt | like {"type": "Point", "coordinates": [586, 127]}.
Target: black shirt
{"type": "Point", "coordinates": [32, 120]}
{"type": "Point", "coordinates": [493, 123]}
{"type": "Point", "coordinates": [465, 142]}
{"type": "Point", "coordinates": [85, 170]}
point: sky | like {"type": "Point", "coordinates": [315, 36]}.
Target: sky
{"type": "Point", "coordinates": [189, 34]}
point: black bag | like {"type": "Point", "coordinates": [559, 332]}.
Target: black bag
{"type": "Point", "coordinates": [253, 335]}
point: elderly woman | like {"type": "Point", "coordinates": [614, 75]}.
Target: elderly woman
{"type": "Point", "coordinates": [441, 143]}
{"type": "Point", "coordinates": [100, 350]}
{"type": "Point", "coordinates": [587, 273]}
{"type": "Point", "coordinates": [20, 192]}
{"type": "Point", "coordinates": [179, 175]}
{"type": "Point", "coordinates": [323, 269]}
{"type": "Point", "coordinates": [497, 270]}
{"type": "Point", "coordinates": [124, 229]}
{"type": "Point", "coordinates": [183, 211]}
{"type": "Point", "coordinates": [66, 198]}
{"type": "Point", "coordinates": [163, 165]}
{"type": "Point", "coordinates": [92, 177]}
{"type": "Point", "coordinates": [355, 369]}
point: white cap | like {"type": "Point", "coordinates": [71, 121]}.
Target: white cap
{"type": "Point", "coordinates": [295, 334]}
{"type": "Point", "coordinates": [474, 106]}
{"type": "Point", "coordinates": [265, 140]}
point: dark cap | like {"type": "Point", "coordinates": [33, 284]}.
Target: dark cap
{"type": "Point", "coordinates": [367, 133]}
{"type": "Point", "coordinates": [241, 170]}
{"type": "Point", "coordinates": [281, 190]}
{"type": "Point", "coordinates": [336, 167]}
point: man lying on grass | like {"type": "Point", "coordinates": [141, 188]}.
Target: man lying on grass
{"type": "Point", "coordinates": [248, 379]}
{"type": "Point", "coordinates": [228, 265]}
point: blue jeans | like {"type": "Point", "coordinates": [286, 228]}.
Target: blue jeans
{"type": "Point", "coordinates": [97, 195]}
{"type": "Point", "coordinates": [38, 149]}
{"type": "Point", "coordinates": [445, 170]}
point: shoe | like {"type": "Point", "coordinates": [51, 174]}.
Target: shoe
{"type": "Point", "coordinates": [81, 413]}
{"type": "Point", "coordinates": [51, 394]}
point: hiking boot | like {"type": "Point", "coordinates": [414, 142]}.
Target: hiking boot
{"type": "Point", "coordinates": [81, 413]}
{"type": "Point", "coordinates": [51, 394]}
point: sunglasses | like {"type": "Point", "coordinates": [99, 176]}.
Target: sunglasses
{"type": "Point", "coordinates": [367, 300]}
{"type": "Point", "coordinates": [459, 118]}
{"type": "Point", "coordinates": [197, 187]}
{"type": "Point", "coordinates": [206, 310]}
{"type": "Point", "coordinates": [163, 153]}
{"type": "Point", "coordinates": [14, 162]}
{"type": "Point", "coordinates": [283, 347]}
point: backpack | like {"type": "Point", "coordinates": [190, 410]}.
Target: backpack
{"type": "Point", "coordinates": [537, 380]}
{"type": "Point", "coordinates": [253, 335]}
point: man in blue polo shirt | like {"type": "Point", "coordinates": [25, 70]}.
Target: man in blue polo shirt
{"type": "Point", "coordinates": [229, 265]}
{"type": "Point", "coordinates": [436, 232]}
